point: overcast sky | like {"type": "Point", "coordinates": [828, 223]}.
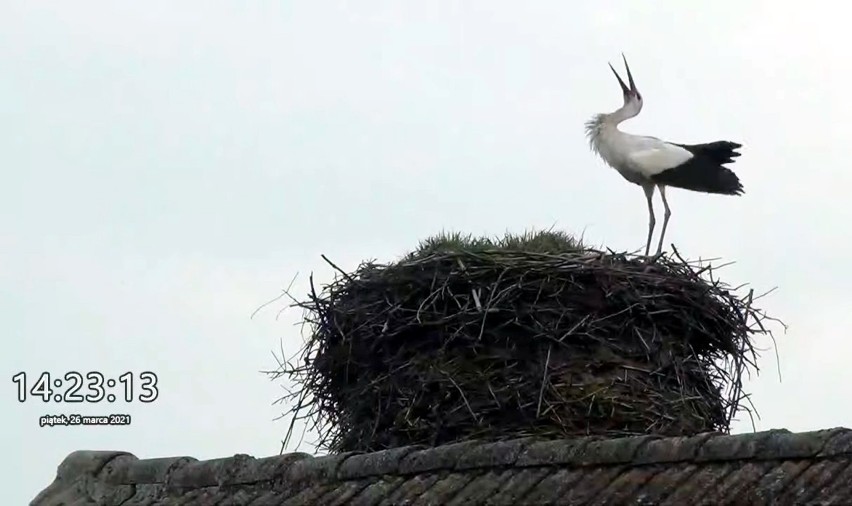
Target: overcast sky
{"type": "Point", "coordinates": [167, 167]}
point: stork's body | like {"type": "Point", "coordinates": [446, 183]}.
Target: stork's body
{"type": "Point", "coordinates": [653, 163]}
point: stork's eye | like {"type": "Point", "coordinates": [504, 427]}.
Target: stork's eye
{"type": "Point", "coordinates": [638, 96]}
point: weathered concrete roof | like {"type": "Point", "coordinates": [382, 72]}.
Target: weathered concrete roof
{"type": "Point", "coordinates": [773, 467]}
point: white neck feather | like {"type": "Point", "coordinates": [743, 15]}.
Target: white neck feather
{"type": "Point", "coordinates": [600, 124]}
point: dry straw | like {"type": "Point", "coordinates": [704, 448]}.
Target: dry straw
{"type": "Point", "coordinates": [524, 336]}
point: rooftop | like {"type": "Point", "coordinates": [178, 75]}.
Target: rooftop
{"type": "Point", "coordinates": [777, 467]}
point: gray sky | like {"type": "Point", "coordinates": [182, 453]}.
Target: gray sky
{"type": "Point", "coordinates": [167, 167]}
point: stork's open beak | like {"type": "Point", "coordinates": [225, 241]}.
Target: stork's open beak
{"type": "Point", "coordinates": [632, 91]}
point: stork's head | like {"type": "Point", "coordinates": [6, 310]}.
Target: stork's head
{"type": "Point", "coordinates": [632, 98]}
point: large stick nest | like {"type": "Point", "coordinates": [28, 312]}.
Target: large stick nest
{"type": "Point", "coordinates": [529, 336]}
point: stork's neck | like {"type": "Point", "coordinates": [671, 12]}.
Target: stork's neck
{"type": "Point", "coordinates": [604, 135]}
{"type": "Point", "coordinates": [599, 125]}
{"type": "Point", "coordinates": [624, 113]}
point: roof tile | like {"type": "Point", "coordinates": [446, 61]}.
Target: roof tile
{"type": "Point", "coordinates": [674, 449]}
{"type": "Point", "coordinates": [812, 480]}
{"type": "Point", "coordinates": [741, 484]}
{"type": "Point", "coordinates": [240, 469]}
{"type": "Point", "coordinates": [146, 471]}
{"type": "Point", "coordinates": [783, 444]}
{"type": "Point", "coordinates": [198, 496]}
{"type": "Point", "coordinates": [587, 489]}
{"type": "Point", "coordinates": [411, 489]}
{"type": "Point", "coordinates": [374, 464]}
{"type": "Point", "coordinates": [378, 490]}
{"type": "Point", "coordinates": [839, 489]}
{"type": "Point", "coordinates": [146, 495]}
{"type": "Point", "coordinates": [496, 454]}
{"type": "Point", "coordinates": [445, 489]}
{"type": "Point", "coordinates": [767, 467]}
{"type": "Point", "coordinates": [516, 487]}
{"type": "Point", "coordinates": [554, 485]}
{"type": "Point", "coordinates": [839, 443]}
{"type": "Point", "coordinates": [315, 469]}
{"type": "Point", "coordinates": [310, 495]}
{"type": "Point", "coordinates": [552, 452]}
{"type": "Point", "coordinates": [187, 474]}
{"type": "Point", "coordinates": [434, 459]}
{"type": "Point", "coordinates": [624, 487]}
{"type": "Point", "coordinates": [766, 445]}
{"type": "Point", "coordinates": [87, 462]}
{"type": "Point", "coordinates": [699, 485]}
{"type": "Point", "coordinates": [663, 484]}
{"type": "Point", "coordinates": [790, 445]}
{"type": "Point", "coordinates": [481, 487]}
{"type": "Point", "coordinates": [778, 480]}
{"type": "Point", "coordinates": [612, 451]}
{"type": "Point", "coordinates": [269, 498]}
{"type": "Point", "coordinates": [237, 497]}
{"type": "Point", "coordinates": [244, 469]}
{"type": "Point", "coordinates": [106, 488]}
{"type": "Point", "coordinates": [719, 448]}
{"type": "Point", "coordinates": [112, 494]}
{"type": "Point", "coordinates": [344, 492]}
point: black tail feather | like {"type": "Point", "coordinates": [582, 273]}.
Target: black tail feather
{"type": "Point", "coordinates": [720, 152]}
{"type": "Point", "coordinates": [704, 172]}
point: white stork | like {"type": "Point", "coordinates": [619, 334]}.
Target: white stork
{"type": "Point", "coordinates": [653, 163]}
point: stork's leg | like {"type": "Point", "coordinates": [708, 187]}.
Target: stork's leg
{"type": "Point", "coordinates": [649, 194]}
{"type": "Point", "coordinates": [666, 216]}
